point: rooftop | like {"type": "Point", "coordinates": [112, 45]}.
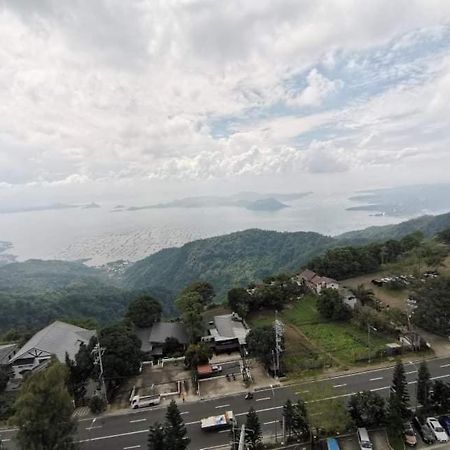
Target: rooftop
{"type": "Point", "coordinates": [6, 350]}
{"type": "Point", "coordinates": [229, 326]}
{"type": "Point", "coordinates": [160, 331]}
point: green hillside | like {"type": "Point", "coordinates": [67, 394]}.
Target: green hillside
{"type": "Point", "coordinates": [226, 261]}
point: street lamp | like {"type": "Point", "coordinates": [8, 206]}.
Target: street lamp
{"type": "Point", "coordinates": [369, 327]}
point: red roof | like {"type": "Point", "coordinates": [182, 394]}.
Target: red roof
{"type": "Point", "coordinates": [204, 369]}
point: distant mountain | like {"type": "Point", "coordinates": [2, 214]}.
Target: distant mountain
{"type": "Point", "coordinates": [248, 200]}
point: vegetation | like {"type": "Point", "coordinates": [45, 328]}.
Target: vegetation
{"type": "Point", "coordinates": [433, 306]}
{"type": "Point", "coordinates": [190, 304]}
{"type": "Point", "coordinates": [4, 378]}
{"type": "Point", "coordinates": [202, 288]}
{"type": "Point", "coordinates": [296, 420]}
{"type": "Point", "coordinates": [44, 411]}
{"type": "Point", "coordinates": [197, 354]}
{"type": "Point", "coordinates": [97, 404]}
{"type": "Point", "coordinates": [367, 409]}
{"type": "Point", "coordinates": [261, 344]}
{"type": "Point", "coordinates": [331, 306]}
{"type": "Point", "coordinates": [253, 433]}
{"type": "Point", "coordinates": [444, 236]}
{"type": "Point", "coordinates": [398, 399]}
{"type": "Point", "coordinates": [423, 386]}
{"type": "Point", "coordinates": [144, 311]}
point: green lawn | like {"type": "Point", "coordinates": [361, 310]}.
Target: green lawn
{"type": "Point", "coordinates": [343, 340]}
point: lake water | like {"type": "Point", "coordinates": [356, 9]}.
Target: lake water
{"type": "Point", "coordinates": [102, 235]}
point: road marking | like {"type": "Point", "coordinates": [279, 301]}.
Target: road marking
{"type": "Point", "coordinates": [111, 436]}
{"type": "Point", "coordinates": [439, 377]}
{"type": "Point", "coordinates": [224, 431]}
{"type": "Point", "coordinates": [302, 392]}
{"type": "Point", "coordinates": [94, 427]}
{"type": "Point", "coordinates": [262, 399]}
{"type": "Point", "coordinates": [137, 420]}
{"type": "Point", "coordinates": [133, 446]}
{"type": "Point", "coordinates": [184, 412]}
{"type": "Point", "coordinates": [376, 379]}
{"type": "Point", "coordinates": [340, 385]}
{"type": "Point", "coordinates": [6, 440]}
{"type": "Point", "coordinates": [216, 446]}
{"type": "Point", "coordinates": [194, 423]}
{"type": "Point", "coordinates": [380, 389]}
{"type": "Point", "coordinates": [269, 423]}
{"type": "Point", "coordinates": [412, 371]}
{"type": "Point", "coordinates": [222, 406]}
{"type": "Point", "coordinates": [445, 365]}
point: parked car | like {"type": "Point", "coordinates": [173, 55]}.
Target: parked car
{"type": "Point", "coordinates": [216, 368]}
{"type": "Point", "coordinates": [409, 435]}
{"type": "Point", "coordinates": [424, 431]}
{"type": "Point", "coordinates": [436, 428]}
{"type": "Point", "coordinates": [445, 422]}
{"type": "Point", "coordinates": [363, 439]}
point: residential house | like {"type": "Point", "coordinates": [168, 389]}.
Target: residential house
{"type": "Point", "coordinates": [154, 337]}
{"type": "Point", "coordinates": [7, 352]}
{"type": "Point", "coordinates": [227, 332]}
{"type": "Point", "coordinates": [316, 282]}
{"type": "Point", "coordinates": [55, 340]}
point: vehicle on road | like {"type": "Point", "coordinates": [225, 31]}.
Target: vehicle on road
{"type": "Point", "coordinates": [213, 423]}
{"type": "Point", "coordinates": [146, 400]}
{"type": "Point", "coordinates": [216, 368]}
{"type": "Point", "coordinates": [445, 422]}
{"type": "Point", "coordinates": [363, 439]}
{"type": "Point", "coordinates": [249, 396]}
{"type": "Point", "coordinates": [436, 428]}
{"type": "Point", "coordinates": [424, 431]}
{"type": "Point", "coordinates": [409, 436]}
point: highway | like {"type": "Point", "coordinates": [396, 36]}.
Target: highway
{"type": "Point", "coordinates": [129, 430]}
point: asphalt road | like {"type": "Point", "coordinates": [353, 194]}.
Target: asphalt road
{"type": "Point", "coordinates": [129, 430]}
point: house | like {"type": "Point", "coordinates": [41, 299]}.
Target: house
{"type": "Point", "coordinates": [55, 340]}
{"type": "Point", "coordinates": [349, 298]}
{"type": "Point", "coordinates": [154, 337]}
{"type": "Point", "coordinates": [228, 333]}
{"type": "Point", "coordinates": [316, 282]}
{"type": "Point", "coordinates": [7, 352]}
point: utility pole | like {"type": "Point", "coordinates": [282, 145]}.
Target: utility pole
{"type": "Point", "coordinates": [98, 352]}
{"type": "Point", "coordinates": [242, 438]}
{"type": "Point", "coordinates": [369, 327]}
{"type": "Point", "coordinates": [279, 330]}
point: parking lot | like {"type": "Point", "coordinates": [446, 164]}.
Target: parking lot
{"type": "Point", "coordinates": [378, 439]}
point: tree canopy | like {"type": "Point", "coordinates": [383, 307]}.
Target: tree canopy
{"type": "Point", "coordinates": [44, 411]}
{"type": "Point", "coordinates": [367, 409]}
{"type": "Point", "coordinates": [191, 307]}
{"type": "Point", "coordinates": [144, 311]}
{"type": "Point", "coordinates": [261, 344]}
{"type": "Point", "coordinates": [197, 354]}
{"type": "Point", "coordinates": [331, 306]}
{"type": "Point", "coordinates": [203, 288]}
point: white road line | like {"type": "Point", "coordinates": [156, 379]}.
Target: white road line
{"type": "Point", "coordinates": [262, 399]}
{"type": "Point", "coordinates": [216, 446]}
{"type": "Point", "coordinates": [94, 427]}
{"type": "Point", "coordinates": [184, 412]}
{"type": "Point", "coordinates": [224, 431]}
{"type": "Point", "coordinates": [302, 392]}
{"type": "Point", "coordinates": [137, 420]}
{"type": "Point", "coordinates": [439, 377]}
{"type": "Point", "coordinates": [269, 423]}
{"type": "Point", "coordinates": [340, 385]}
{"type": "Point", "coordinates": [376, 379]}
{"type": "Point", "coordinates": [380, 389]}
{"type": "Point", "coordinates": [111, 436]}
{"type": "Point", "coordinates": [222, 406]}
{"type": "Point", "coordinates": [133, 446]}
{"type": "Point", "coordinates": [412, 371]}
{"type": "Point", "coordinates": [445, 365]}
{"type": "Point", "coordinates": [194, 423]}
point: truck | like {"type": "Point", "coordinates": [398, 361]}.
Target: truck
{"type": "Point", "coordinates": [141, 401]}
{"type": "Point", "coordinates": [213, 423]}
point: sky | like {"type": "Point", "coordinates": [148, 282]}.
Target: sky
{"type": "Point", "coordinates": [145, 100]}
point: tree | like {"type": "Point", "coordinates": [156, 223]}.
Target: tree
{"type": "Point", "coordinates": [191, 307]}
{"type": "Point", "coordinates": [175, 429]}
{"type": "Point", "coordinates": [144, 311]}
{"type": "Point", "coordinates": [296, 420]}
{"type": "Point", "coordinates": [197, 354]}
{"type": "Point", "coordinates": [122, 356]}
{"type": "Point", "coordinates": [253, 435]}
{"type": "Point", "coordinates": [395, 414]}
{"type": "Point", "coordinates": [4, 378]}
{"type": "Point", "coordinates": [172, 346]}
{"type": "Point", "coordinates": [97, 404]}
{"type": "Point", "coordinates": [364, 295]}
{"type": "Point", "coordinates": [399, 390]}
{"type": "Point", "coordinates": [239, 301]}
{"type": "Point", "coordinates": [433, 306]}
{"type": "Point", "coordinates": [44, 411]}
{"type": "Point", "coordinates": [367, 409]}
{"type": "Point", "coordinates": [440, 397]}
{"type": "Point", "coordinates": [261, 344]}
{"type": "Point", "coordinates": [423, 385]}
{"type": "Point", "coordinates": [156, 437]}
{"type": "Point", "coordinates": [331, 305]}
{"type": "Point", "coordinates": [444, 236]}
{"type": "Point", "coordinates": [203, 288]}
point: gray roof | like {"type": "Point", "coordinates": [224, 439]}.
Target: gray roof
{"type": "Point", "coordinates": [57, 339]}
{"type": "Point", "coordinates": [144, 335]}
{"type": "Point", "coordinates": [163, 330]}
{"type": "Point", "coordinates": [6, 350]}
{"type": "Point", "coordinates": [230, 326]}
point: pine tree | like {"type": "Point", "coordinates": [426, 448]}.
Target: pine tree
{"type": "Point", "coordinates": [300, 425]}
{"type": "Point", "coordinates": [399, 389]}
{"type": "Point", "coordinates": [288, 414]}
{"type": "Point", "coordinates": [44, 411]}
{"type": "Point", "coordinates": [156, 437]}
{"type": "Point", "coordinates": [253, 435]}
{"type": "Point", "coordinates": [423, 385]}
{"type": "Point", "coordinates": [395, 420]}
{"type": "Point", "coordinates": [175, 429]}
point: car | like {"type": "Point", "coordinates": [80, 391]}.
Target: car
{"type": "Point", "coordinates": [363, 439]}
{"type": "Point", "coordinates": [409, 435]}
{"type": "Point", "coordinates": [436, 428]}
{"type": "Point", "coordinates": [216, 368]}
{"type": "Point", "coordinates": [445, 422]}
{"type": "Point", "coordinates": [424, 431]}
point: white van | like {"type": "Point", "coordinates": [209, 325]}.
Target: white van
{"type": "Point", "coordinates": [144, 401]}
{"type": "Point", "coordinates": [363, 439]}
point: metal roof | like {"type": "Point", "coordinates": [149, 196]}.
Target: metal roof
{"type": "Point", "coordinates": [56, 339]}
{"type": "Point", "coordinates": [163, 330]}
{"type": "Point", "coordinates": [6, 350]}
{"type": "Point", "coordinates": [230, 326]}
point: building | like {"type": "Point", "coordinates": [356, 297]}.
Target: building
{"type": "Point", "coordinates": [154, 337]}
{"type": "Point", "coordinates": [55, 340]}
{"type": "Point", "coordinates": [349, 298]}
{"type": "Point", "coordinates": [316, 282]}
{"type": "Point", "coordinates": [7, 352]}
{"type": "Point", "coordinates": [227, 332]}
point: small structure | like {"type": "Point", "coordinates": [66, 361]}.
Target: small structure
{"type": "Point", "coordinates": [55, 340]}
{"type": "Point", "coordinates": [153, 338]}
{"type": "Point", "coordinates": [7, 352]}
{"type": "Point", "coordinates": [229, 333]}
{"type": "Point", "coordinates": [411, 341]}
{"type": "Point", "coordinates": [316, 282]}
{"type": "Point", "coordinates": [204, 370]}
{"type": "Point", "coordinates": [349, 298]}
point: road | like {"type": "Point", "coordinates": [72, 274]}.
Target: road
{"type": "Point", "coordinates": [129, 430]}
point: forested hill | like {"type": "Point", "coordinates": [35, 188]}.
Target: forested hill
{"type": "Point", "coordinates": [428, 225]}
{"type": "Point", "coordinates": [225, 261]}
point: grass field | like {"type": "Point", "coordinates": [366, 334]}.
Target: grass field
{"type": "Point", "coordinates": [343, 341]}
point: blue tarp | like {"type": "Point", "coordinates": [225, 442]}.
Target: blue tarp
{"type": "Point", "coordinates": [332, 444]}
